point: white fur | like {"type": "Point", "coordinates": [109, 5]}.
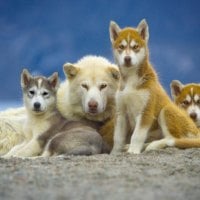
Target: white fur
{"type": "Point", "coordinates": [194, 108]}
{"type": "Point", "coordinates": [196, 97]}
{"type": "Point", "coordinates": [73, 98]}
{"type": "Point", "coordinates": [11, 130]}
{"type": "Point", "coordinates": [130, 102]}
{"type": "Point", "coordinates": [44, 101]}
{"type": "Point", "coordinates": [69, 102]}
{"type": "Point", "coordinates": [32, 128]}
{"type": "Point", "coordinates": [160, 144]}
{"type": "Point", "coordinates": [93, 93]}
{"type": "Point", "coordinates": [138, 137]}
{"type": "Point", "coordinates": [136, 57]}
{"type": "Point", "coordinates": [188, 98]}
{"type": "Point", "coordinates": [163, 125]}
{"type": "Point", "coordinates": [168, 139]}
{"type": "Point", "coordinates": [35, 124]}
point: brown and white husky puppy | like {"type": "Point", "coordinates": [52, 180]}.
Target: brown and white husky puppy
{"type": "Point", "coordinates": [187, 96]}
{"type": "Point", "coordinates": [142, 103]}
{"type": "Point", "coordinates": [45, 126]}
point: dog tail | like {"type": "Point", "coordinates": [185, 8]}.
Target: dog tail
{"type": "Point", "coordinates": [184, 143]}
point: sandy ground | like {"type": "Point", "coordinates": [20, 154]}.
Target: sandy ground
{"type": "Point", "coordinates": [165, 174]}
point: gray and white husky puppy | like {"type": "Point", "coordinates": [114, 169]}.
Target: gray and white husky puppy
{"type": "Point", "coordinates": [46, 131]}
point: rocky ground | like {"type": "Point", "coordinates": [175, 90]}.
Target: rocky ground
{"type": "Point", "coordinates": [165, 174]}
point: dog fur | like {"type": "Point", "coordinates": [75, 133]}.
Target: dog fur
{"type": "Point", "coordinates": [70, 102]}
{"type": "Point", "coordinates": [142, 103]}
{"type": "Point", "coordinates": [89, 93]}
{"type": "Point", "coordinates": [187, 97]}
{"type": "Point", "coordinates": [45, 125]}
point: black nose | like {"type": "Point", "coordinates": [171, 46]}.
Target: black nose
{"type": "Point", "coordinates": [37, 105]}
{"type": "Point", "coordinates": [127, 60]}
{"type": "Point", "coordinates": [193, 116]}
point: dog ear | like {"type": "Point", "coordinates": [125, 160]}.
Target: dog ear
{"type": "Point", "coordinates": [114, 31]}
{"type": "Point", "coordinates": [25, 78]}
{"type": "Point", "coordinates": [115, 73]}
{"type": "Point", "coordinates": [176, 87]}
{"type": "Point", "coordinates": [143, 30]}
{"type": "Point", "coordinates": [54, 80]}
{"type": "Point", "coordinates": [70, 70]}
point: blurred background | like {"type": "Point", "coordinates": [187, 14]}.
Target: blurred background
{"type": "Point", "coordinates": [44, 34]}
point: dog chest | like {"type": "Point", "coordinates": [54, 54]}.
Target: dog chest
{"type": "Point", "coordinates": [132, 101]}
{"type": "Point", "coordinates": [36, 127]}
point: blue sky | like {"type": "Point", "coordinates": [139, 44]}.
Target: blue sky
{"type": "Point", "coordinates": [44, 34]}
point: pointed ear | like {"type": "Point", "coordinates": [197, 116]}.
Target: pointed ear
{"type": "Point", "coordinates": [25, 78]}
{"type": "Point", "coordinates": [176, 87]}
{"type": "Point", "coordinates": [70, 70]}
{"type": "Point", "coordinates": [114, 31]}
{"type": "Point", "coordinates": [54, 80]}
{"type": "Point", "coordinates": [143, 30]}
{"type": "Point", "coordinates": [115, 73]}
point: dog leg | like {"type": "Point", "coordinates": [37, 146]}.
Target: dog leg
{"type": "Point", "coordinates": [160, 144]}
{"type": "Point", "coordinates": [138, 137]}
{"type": "Point", "coordinates": [120, 134]}
{"type": "Point", "coordinates": [32, 148]}
{"type": "Point", "coordinates": [14, 150]}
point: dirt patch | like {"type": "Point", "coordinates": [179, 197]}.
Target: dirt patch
{"type": "Point", "coordinates": [164, 174]}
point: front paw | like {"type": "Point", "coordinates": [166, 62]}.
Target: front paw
{"type": "Point", "coordinates": [116, 150]}
{"type": "Point", "coordinates": [133, 150]}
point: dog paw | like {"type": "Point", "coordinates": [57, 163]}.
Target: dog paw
{"type": "Point", "coordinates": [116, 151]}
{"type": "Point", "coordinates": [132, 150]}
{"type": "Point", "coordinates": [151, 147]}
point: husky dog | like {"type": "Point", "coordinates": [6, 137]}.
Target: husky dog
{"type": "Point", "coordinates": [45, 125]}
{"type": "Point", "coordinates": [187, 97]}
{"type": "Point", "coordinates": [142, 103]}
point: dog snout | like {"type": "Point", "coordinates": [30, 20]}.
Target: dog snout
{"type": "Point", "coordinates": [193, 115]}
{"type": "Point", "coordinates": [127, 60]}
{"type": "Point", "coordinates": [37, 106]}
{"type": "Point", "coordinates": [93, 105]}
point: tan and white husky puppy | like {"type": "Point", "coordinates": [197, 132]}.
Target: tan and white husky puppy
{"type": "Point", "coordinates": [187, 96]}
{"type": "Point", "coordinates": [142, 103]}
{"type": "Point", "coordinates": [45, 128]}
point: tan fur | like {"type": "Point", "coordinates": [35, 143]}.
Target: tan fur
{"type": "Point", "coordinates": [95, 70]}
{"type": "Point", "coordinates": [144, 101]}
{"type": "Point", "coordinates": [187, 97]}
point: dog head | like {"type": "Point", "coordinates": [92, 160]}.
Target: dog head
{"type": "Point", "coordinates": [188, 98]}
{"type": "Point", "coordinates": [129, 44]}
{"type": "Point", "coordinates": [93, 83]}
{"type": "Point", "coordinates": [39, 93]}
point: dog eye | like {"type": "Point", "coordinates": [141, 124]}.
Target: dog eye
{"type": "Point", "coordinates": [45, 94]}
{"type": "Point", "coordinates": [185, 102]}
{"type": "Point", "coordinates": [31, 92]}
{"type": "Point", "coordinates": [121, 46]}
{"type": "Point", "coordinates": [83, 85]}
{"type": "Point", "coordinates": [102, 86]}
{"type": "Point", "coordinates": [135, 47]}
{"type": "Point", "coordinates": [198, 101]}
